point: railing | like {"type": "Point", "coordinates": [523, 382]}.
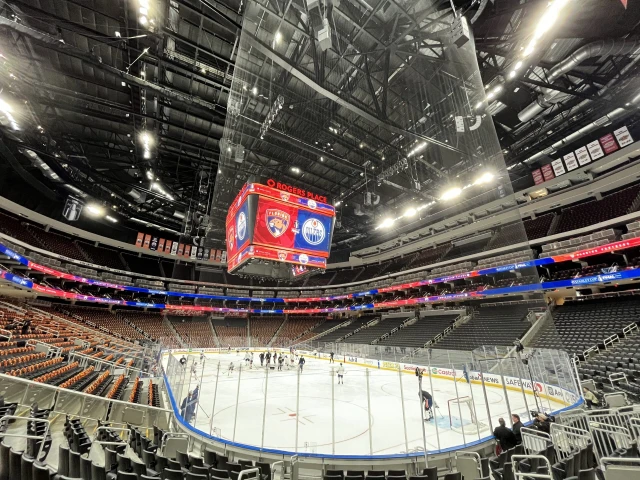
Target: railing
{"type": "Point", "coordinates": [229, 413]}
{"type": "Point", "coordinates": [79, 404]}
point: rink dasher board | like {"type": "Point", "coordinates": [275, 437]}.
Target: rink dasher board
{"type": "Point", "coordinates": [549, 392]}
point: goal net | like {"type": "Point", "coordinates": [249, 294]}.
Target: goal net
{"type": "Point", "coordinates": [462, 416]}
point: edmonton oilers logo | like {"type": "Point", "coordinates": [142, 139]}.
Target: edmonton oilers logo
{"type": "Point", "coordinates": [313, 231]}
{"type": "Point", "coordinates": [303, 258]}
{"type": "Point", "coordinates": [242, 226]}
{"type": "Point", "coordinates": [277, 221]}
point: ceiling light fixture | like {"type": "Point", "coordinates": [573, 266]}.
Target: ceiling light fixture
{"type": "Point", "coordinates": [451, 193]}
{"type": "Point", "coordinates": [387, 222]}
{"type": "Point", "coordinates": [484, 178]}
{"type": "Point", "coordinates": [95, 209]}
{"type": "Point", "coordinates": [410, 212]}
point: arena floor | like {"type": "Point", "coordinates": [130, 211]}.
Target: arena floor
{"type": "Point", "coordinates": [351, 425]}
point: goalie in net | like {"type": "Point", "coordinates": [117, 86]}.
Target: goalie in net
{"type": "Point", "coordinates": [428, 404]}
{"type": "Point", "coordinates": [462, 416]}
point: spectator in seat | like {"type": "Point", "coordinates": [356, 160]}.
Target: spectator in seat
{"type": "Point", "coordinates": [517, 425]}
{"type": "Point", "coordinates": [504, 436]}
{"type": "Point", "coordinates": [542, 423]}
{"type": "Point", "coordinates": [589, 397]}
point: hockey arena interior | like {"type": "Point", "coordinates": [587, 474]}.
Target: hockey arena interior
{"type": "Point", "coordinates": [319, 239]}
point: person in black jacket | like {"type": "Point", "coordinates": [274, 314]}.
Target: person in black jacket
{"type": "Point", "coordinates": [517, 425]}
{"type": "Point", "coordinates": [504, 436]}
{"type": "Point", "coordinates": [261, 359]}
{"type": "Point", "coordinates": [301, 363]}
{"type": "Point", "coordinates": [428, 403]}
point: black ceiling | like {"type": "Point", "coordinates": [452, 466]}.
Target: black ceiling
{"type": "Point", "coordinates": [85, 78]}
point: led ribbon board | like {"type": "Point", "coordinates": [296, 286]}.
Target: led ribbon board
{"type": "Point", "coordinates": [610, 247]}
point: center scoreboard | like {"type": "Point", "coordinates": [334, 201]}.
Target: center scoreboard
{"type": "Point", "coordinates": [273, 233]}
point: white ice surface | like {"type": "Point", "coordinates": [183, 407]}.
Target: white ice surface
{"type": "Point", "coordinates": [362, 424]}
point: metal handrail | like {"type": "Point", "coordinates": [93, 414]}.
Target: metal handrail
{"type": "Point", "coordinates": [104, 428]}
{"type": "Point", "coordinates": [30, 383]}
{"type": "Point", "coordinates": [247, 472]}
{"type": "Point", "coordinates": [516, 466]}
{"type": "Point", "coordinates": [165, 437]}
{"type": "Point", "coordinates": [42, 437]}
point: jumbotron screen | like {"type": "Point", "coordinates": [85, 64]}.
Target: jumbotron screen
{"type": "Point", "coordinates": [277, 228]}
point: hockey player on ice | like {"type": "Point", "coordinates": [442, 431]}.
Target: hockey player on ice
{"type": "Point", "coordinates": [261, 359]}
{"type": "Point", "coordinates": [280, 362]}
{"type": "Point", "coordinates": [247, 357]}
{"type": "Point", "coordinates": [340, 372]}
{"type": "Point", "coordinates": [301, 363]}
{"type": "Point", "coordinates": [230, 368]}
{"type": "Point", "coordinates": [428, 403]}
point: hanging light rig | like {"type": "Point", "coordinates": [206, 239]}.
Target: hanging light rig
{"type": "Point", "coordinates": [271, 116]}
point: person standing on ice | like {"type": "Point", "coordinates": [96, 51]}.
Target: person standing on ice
{"type": "Point", "coordinates": [331, 358]}
{"type": "Point", "coordinates": [301, 363]}
{"type": "Point", "coordinates": [247, 357]}
{"type": "Point", "coordinates": [268, 358]}
{"type": "Point", "coordinates": [230, 368]}
{"type": "Point", "coordinates": [340, 375]}
{"type": "Point", "coordinates": [275, 357]}
{"type": "Point", "coordinates": [428, 403]}
{"type": "Point", "coordinates": [261, 359]}
{"type": "Point", "coordinates": [280, 362]}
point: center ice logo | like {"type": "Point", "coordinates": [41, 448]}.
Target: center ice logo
{"type": "Point", "coordinates": [313, 231]}
{"type": "Point", "coordinates": [277, 221]}
{"type": "Point", "coordinates": [242, 226]}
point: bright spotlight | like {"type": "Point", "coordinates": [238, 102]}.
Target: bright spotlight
{"type": "Point", "coordinates": [387, 222]}
{"type": "Point", "coordinates": [143, 20]}
{"type": "Point", "coordinates": [451, 193]}
{"type": "Point", "coordinates": [146, 138]}
{"type": "Point", "coordinates": [5, 107]}
{"type": "Point", "coordinates": [484, 178]}
{"type": "Point", "coordinates": [94, 209]}
{"type": "Point", "coordinates": [410, 212]}
{"type": "Point", "coordinates": [111, 219]}
{"type": "Point", "coordinates": [278, 37]}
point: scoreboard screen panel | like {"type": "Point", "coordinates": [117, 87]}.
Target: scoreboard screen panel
{"type": "Point", "coordinates": [291, 227]}
{"type": "Point", "coordinates": [265, 223]}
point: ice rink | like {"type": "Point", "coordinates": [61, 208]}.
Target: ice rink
{"type": "Point", "coordinates": [364, 416]}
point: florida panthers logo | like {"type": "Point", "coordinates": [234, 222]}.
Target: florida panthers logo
{"type": "Point", "coordinates": [284, 196]}
{"type": "Point", "coordinates": [231, 236]}
{"type": "Point", "coordinates": [313, 231]}
{"type": "Point", "coordinates": [282, 255]}
{"type": "Point", "coordinates": [277, 221]}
